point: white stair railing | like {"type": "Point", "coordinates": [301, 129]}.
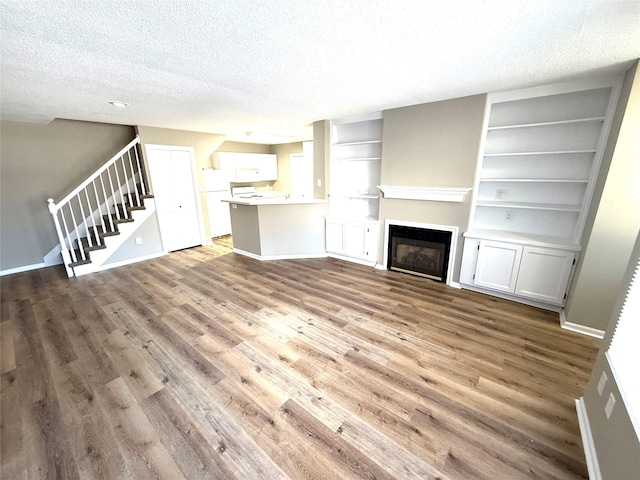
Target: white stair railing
{"type": "Point", "coordinates": [90, 208]}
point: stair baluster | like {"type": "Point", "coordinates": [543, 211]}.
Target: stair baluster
{"type": "Point", "coordinates": [81, 211]}
{"type": "Point", "coordinates": [97, 197]}
{"type": "Point", "coordinates": [135, 188]}
{"type": "Point", "coordinates": [140, 173]}
{"type": "Point", "coordinates": [104, 192]}
{"type": "Point", "coordinates": [113, 196]}
{"type": "Point", "coordinates": [87, 226]}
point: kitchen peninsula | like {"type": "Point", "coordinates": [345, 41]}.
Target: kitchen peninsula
{"type": "Point", "coordinates": [278, 228]}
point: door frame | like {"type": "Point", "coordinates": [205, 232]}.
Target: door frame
{"type": "Point", "coordinates": [194, 176]}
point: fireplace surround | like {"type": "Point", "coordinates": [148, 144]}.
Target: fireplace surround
{"type": "Point", "coordinates": [425, 250]}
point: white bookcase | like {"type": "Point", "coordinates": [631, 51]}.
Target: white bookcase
{"type": "Point", "coordinates": [355, 169]}
{"type": "Point", "coordinates": [354, 199]}
{"type": "Point", "coordinates": [539, 162]}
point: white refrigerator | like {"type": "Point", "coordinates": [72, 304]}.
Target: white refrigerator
{"type": "Point", "coordinates": [216, 183]}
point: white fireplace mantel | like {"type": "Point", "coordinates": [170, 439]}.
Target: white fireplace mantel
{"type": "Point", "coordinates": [435, 194]}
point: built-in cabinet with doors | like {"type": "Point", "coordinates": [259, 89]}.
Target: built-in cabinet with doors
{"type": "Point", "coordinates": [249, 167]}
{"type": "Point", "coordinates": [537, 170]}
{"type": "Point", "coordinates": [352, 227]}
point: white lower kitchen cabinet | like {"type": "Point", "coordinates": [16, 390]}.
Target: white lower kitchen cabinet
{"type": "Point", "coordinates": [352, 239]}
{"type": "Point", "coordinates": [531, 274]}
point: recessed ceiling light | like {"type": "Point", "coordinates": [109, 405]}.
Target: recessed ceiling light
{"type": "Point", "coordinates": [118, 104]}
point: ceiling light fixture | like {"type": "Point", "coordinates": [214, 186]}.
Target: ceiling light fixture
{"type": "Point", "coordinates": [119, 104]}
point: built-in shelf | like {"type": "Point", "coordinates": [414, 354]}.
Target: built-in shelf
{"type": "Point", "coordinates": [351, 144]}
{"type": "Point", "coordinates": [544, 124]}
{"type": "Point", "coordinates": [358, 159]}
{"type": "Point", "coordinates": [555, 152]}
{"type": "Point", "coordinates": [435, 194]}
{"type": "Point", "coordinates": [524, 238]}
{"type": "Point", "coordinates": [362, 196]}
{"type": "Point", "coordinates": [535, 180]}
{"type": "Point", "coordinates": [530, 206]}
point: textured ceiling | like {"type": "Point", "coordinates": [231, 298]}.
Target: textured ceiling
{"type": "Point", "coordinates": [275, 66]}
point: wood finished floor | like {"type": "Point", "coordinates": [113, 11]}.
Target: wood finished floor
{"type": "Point", "coordinates": [206, 364]}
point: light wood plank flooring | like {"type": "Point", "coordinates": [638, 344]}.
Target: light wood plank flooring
{"type": "Point", "coordinates": [206, 364]}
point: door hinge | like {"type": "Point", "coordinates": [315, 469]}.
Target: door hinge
{"type": "Point", "coordinates": [474, 276]}
{"type": "Point", "coordinates": [574, 262]}
{"type": "Point", "coordinates": [478, 246]}
{"type": "Point", "coordinates": [565, 296]}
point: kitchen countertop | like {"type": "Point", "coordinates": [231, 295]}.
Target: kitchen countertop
{"type": "Point", "coordinates": [273, 201]}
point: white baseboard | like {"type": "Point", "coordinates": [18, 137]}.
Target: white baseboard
{"type": "Point", "coordinates": [122, 263]}
{"type": "Point", "coordinates": [379, 266]}
{"type": "Point", "coordinates": [300, 256]}
{"type": "Point", "coordinates": [513, 298]}
{"type": "Point", "coordinates": [575, 327]}
{"type": "Point", "coordinates": [455, 285]}
{"type": "Point", "coordinates": [24, 268]}
{"type": "Point", "coordinates": [366, 263]}
{"type": "Point", "coordinates": [587, 441]}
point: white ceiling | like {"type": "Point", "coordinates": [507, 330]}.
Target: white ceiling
{"type": "Point", "coordinates": [276, 66]}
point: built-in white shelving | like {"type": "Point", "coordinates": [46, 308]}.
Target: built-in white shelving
{"type": "Point", "coordinates": [541, 156]}
{"type": "Point", "coordinates": [536, 174]}
{"type": "Point", "coordinates": [356, 156]}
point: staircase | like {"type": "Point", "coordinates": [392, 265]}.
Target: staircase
{"type": "Point", "coordinates": [101, 213]}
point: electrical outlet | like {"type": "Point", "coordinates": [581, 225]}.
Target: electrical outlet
{"type": "Point", "coordinates": [508, 216]}
{"type": "Point", "coordinates": [138, 240]}
{"type": "Point", "coordinates": [233, 205]}
{"type": "Point", "coordinates": [502, 194]}
{"type": "Point", "coordinates": [609, 406]}
{"type": "Point", "coordinates": [601, 383]}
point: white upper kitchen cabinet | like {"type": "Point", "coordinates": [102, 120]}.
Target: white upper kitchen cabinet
{"type": "Point", "coordinates": [249, 167]}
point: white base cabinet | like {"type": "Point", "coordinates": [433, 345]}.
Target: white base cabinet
{"type": "Point", "coordinates": [497, 266]}
{"type": "Point", "coordinates": [535, 273]}
{"type": "Point", "coordinates": [352, 238]}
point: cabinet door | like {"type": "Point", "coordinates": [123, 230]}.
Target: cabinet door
{"type": "Point", "coordinates": [371, 243]}
{"type": "Point", "coordinates": [335, 236]}
{"type": "Point", "coordinates": [268, 167]}
{"type": "Point", "coordinates": [469, 260]}
{"type": "Point", "coordinates": [498, 265]}
{"type": "Point", "coordinates": [227, 162]}
{"type": "Point", "coordinates": [544, 274]}
{"type": "Point", "coordinates": [247, 168]}
{"type": "Point", "coordinates": [355, 240]}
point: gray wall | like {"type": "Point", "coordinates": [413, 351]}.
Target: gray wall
{"type": "Point", "coordinates": [41, 161]}
{"type": "Point", "coordinates": [617, 445]}
{"type": "Point", "coordinates": [246, 228]}
{"type": "Point", "coordinates": [433, 145]}
{"type": "Point", "coordinates": [617, 220]}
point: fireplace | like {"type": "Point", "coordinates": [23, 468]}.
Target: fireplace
{"type": "Point", "coordinates": [419, 251]}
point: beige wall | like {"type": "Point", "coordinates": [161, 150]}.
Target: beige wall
{"type": "Point", "coordinates": [204, 145]}
{"type": "Point", "coordinates": [41, 161]}
{"type": "Point", "coordinates": [433, 145]}
{"type": "Point", "coordinates": [283, 152]}
{"type": "Point", "coordinates": [615, 440]}
{"type": "Point", "coordinates": [617, 220]}
{"type": "Point", "coordinates": [321, 153]}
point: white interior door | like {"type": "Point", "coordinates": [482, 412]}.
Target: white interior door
{"type": "Point", "coordinates": [174, 189]}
